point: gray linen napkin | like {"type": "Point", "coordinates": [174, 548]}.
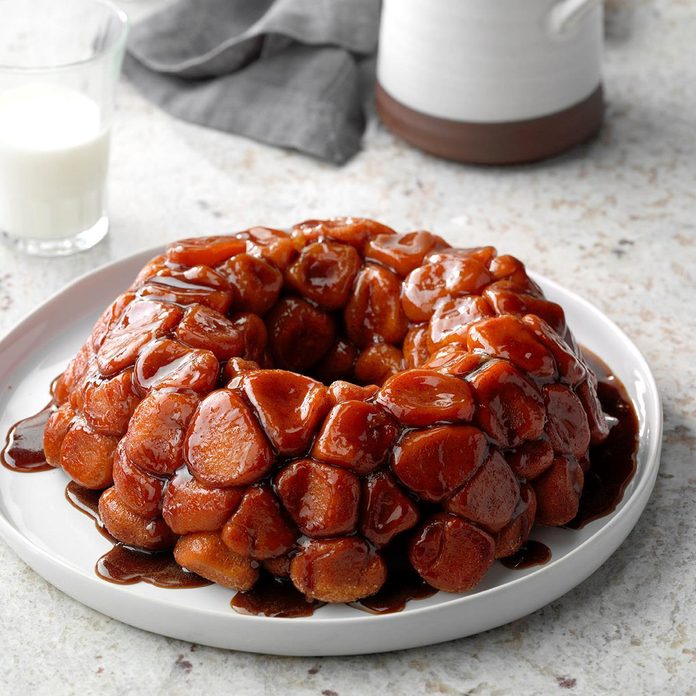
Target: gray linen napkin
{"type": "Point", "coordinates": [285, 72]}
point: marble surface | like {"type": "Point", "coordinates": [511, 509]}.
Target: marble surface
{"type": "Point", "coordinates": [614, 221]}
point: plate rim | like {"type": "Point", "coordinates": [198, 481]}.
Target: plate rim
{"type": "Point", "coordinates": [647, 480]}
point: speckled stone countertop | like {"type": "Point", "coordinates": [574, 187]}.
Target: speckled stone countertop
{"type": "Point", "coordinates": [614, 221]}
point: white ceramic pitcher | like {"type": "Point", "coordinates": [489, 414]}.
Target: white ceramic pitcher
{"type": "Point", "coordinates": [521, 78]}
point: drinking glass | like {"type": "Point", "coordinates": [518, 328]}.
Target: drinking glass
{"type": "Point", "coordinates": [59, 66]}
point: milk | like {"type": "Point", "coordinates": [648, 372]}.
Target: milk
{"type": "Point", "coordinates": [53, 160]}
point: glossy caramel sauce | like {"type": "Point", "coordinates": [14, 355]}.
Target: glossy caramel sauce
{"type": "Point", "coordinates": [612, 465]}
{"type": "Point", "coordinates": [401, 586]}
{"type": "Point", "coordinates": [276, 597]}
{"type": "Point", "coordinates": [396, 592]}
{"type": "Point", "coordinates": [533, 553]}
{"type": "Point", "coordinates": [23, 451]}
{"type": "Point", "coordinates": [87, 502]}
{"type": "Point", "coordinates": [123, 565]}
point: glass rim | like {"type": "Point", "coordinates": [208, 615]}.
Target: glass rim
{"type": "Point", "coordinates": [118, 44]}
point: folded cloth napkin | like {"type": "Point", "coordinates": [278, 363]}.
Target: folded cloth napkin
{"type": "Point", "coordinates": [285, 72]}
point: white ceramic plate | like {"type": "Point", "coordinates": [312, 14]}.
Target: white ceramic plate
{"type": "Point", "coordinates": [61, 544]}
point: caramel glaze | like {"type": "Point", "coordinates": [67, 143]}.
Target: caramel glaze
{"type": "Point", "coordinates": [531, 554]}
{"type": "Point", "coordinates": [279, 598]}
{"type": "Point", "coordinates": [612, 465]}
{"type": "Point", "coordinates": [273, 596]}
{"type": "Point", "coordinates": [123, 565]}
{"type": "Point", "coordinates": [23, 451]}
{"type": "Point", "coordinates": [87, 502]}
{"type": "Point", "coordinates": [402, 585]}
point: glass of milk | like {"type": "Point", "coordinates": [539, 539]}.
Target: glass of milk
{"type": "Point", "coordinates": [59, 65]}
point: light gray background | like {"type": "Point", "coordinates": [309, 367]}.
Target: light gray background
{"type": "Point", "coordinates": [615, 221]}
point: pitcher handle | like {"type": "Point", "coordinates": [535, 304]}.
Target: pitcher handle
{"type": "Point", "coordinates": [566, 13]}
